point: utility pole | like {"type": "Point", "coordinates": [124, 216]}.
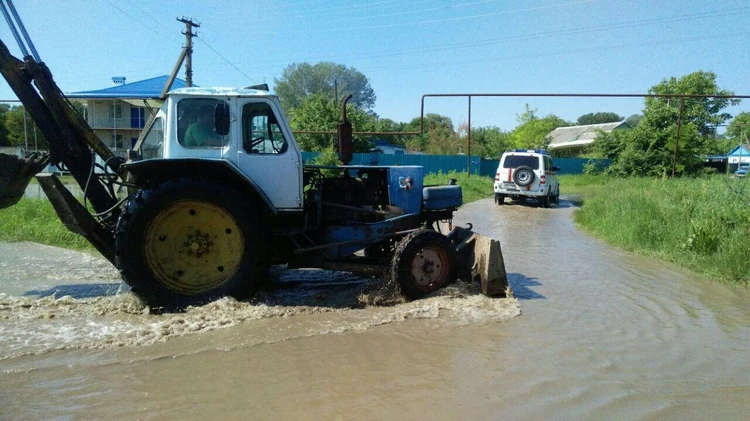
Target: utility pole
{"type": "Point", "coordinates": [189, 25]}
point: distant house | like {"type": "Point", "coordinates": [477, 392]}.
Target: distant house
{"type": "Point", "coordinates": [386, 147]}
{"type": "Point", "coordinates": [571, 141]}
{"type": "Point", "coordinates": [118, 114]}
{"type": "Point", "coordinates": [740, 154]}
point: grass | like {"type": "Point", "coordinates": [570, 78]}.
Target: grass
{"type": "Point", "coordinates": [473, 188]}
{"type": "Point", "coordinates": [35, 220]}
{"type": "Point", "coordinates": [700, 224]}
{"type": "Point", "coordinates": [583, 187]}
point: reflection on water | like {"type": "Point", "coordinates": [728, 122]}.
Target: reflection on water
{"type": "Point", "coordinates": [603, 335]}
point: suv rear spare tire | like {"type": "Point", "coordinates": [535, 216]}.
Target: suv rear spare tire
{"type": "Point", "coordinates": [523, 176]}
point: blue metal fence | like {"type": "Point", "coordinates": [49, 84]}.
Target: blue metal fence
{"type": "Point", "coordinates": [458, 163]}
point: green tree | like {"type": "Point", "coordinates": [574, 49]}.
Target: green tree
{"type": "Point", "coordinates": [325, 78]}
{"type": "Point", "coordinates": [633, 120]}
{"type": "Point", "coordinates": [738, 130]}
{"type": "Point", "coordinates": [388, 125]}
{"type": "Point", "coordinates": [648, 149]}
{"type": "Point", "coordinates": [437, 133]}
{"type": "Point", "coordinates": [533, 133]}
{"type": "Point", "coordinates": [318, 112]}
{"type": "Point", "coordinates": [19, 134]}
{"type": "Point", "coordinates": [489, 142]}
{"type": "Point", "coordinates": [598, 118]}
{"type": "Point", "coordinates": [527, 115]}
{"type": "Point", "coordinates": [4, 141]}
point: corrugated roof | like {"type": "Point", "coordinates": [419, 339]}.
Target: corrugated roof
{"type": "Point", "coordinates": [146, 89]}
{"type": "Point", "coordinates": [736, 150]}
{"type": "Point", "coordinates": [566, 137]}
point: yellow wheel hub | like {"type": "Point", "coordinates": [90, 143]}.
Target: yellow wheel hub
{"type": "Point", "coordinates": [193, 247]}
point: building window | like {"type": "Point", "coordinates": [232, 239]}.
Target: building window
{"type": "Point", "coordinates": [116, 141]}
{"type": "Point", "coordinates": [115, 110]}
{"type": "Point", "coordinates": [137, 120]}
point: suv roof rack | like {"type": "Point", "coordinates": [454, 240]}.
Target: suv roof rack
{"type": "Point", "coordinates": [541, 151]}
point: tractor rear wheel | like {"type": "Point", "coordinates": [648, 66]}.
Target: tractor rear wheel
{"type": "Point", "coordinates": [424, 262]}
{"type": "Point", "coordinates": [186, 242]}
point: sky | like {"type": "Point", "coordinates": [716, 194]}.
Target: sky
{"type": "Point", "coordinates": [406, 48]}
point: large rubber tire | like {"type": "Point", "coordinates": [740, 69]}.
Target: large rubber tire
{"type": "Point", "coordinates": [523, 176]}
{"type": "Point", "coordinates": [544, 200]}
{"type": "Point", "coordinates": [424, 262]}
{"type": "Point", "coordinates": [499, 199]}
{"type": "Point", "coordinates": [187, 242]}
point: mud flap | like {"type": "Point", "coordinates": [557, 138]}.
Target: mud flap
{"type": "Point", "coordinates": [15, 174]}
{"type": "Point", "coordinates": [480, 259]}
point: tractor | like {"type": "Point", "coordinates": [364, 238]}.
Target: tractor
{"type": "Point", "coordinates": [215, 191]}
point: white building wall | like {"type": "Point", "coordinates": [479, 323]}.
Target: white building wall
{"type": "Point", "coordinates": [114, 129]}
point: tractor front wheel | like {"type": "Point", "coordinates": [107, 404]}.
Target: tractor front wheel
{"type": "Point", "coordinates": [424, 262]}
{"type": "Point", "coordinates": [186, 242]}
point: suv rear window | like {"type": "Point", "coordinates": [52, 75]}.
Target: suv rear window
{"type": "Point", "coordinates": [515, 161]}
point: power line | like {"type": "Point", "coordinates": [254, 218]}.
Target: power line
{"type": "Point", "coordinates": [225, 59]}
{"type": "Point", "coordinates": [363, 8]}
{"type": "Point", "coordinates": [134, 18]}
{"type": "Point", "coordinates": [518, 38]}
{"type": "Point", "coordinates": [158, 22]}
{"type": "Point", "coordinates": [425, 22]}
{"type": "Point", "coordinates": [559, 53]}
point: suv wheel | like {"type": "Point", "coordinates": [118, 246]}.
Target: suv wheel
{"type": "Point", "coordinates": [544, 200]}
{"type": "Point", "coordinates": [499, 199]}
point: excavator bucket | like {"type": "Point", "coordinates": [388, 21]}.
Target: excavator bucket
{"type": "Point", "coordinates": [480, 259]}
{"type": "Point", "coordinates": [15, 174]}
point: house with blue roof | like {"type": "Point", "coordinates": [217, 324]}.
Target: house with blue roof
{"type": "Point", "coordinates": [117, 114]}
{"type": "Point", "coordinates": [739, 155]}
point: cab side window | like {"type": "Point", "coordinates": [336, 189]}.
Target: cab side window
{"type": "Point", "coordinates": [261, 132]}
{"type": "Point", "coordinates": [196, 127]}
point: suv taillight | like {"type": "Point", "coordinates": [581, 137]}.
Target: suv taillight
{"type": "Point", "coordinates": [542, 179]}
{"type": "Point", "coordinates": [497, 176]}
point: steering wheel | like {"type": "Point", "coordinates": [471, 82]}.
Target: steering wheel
{"type": "Point", "coordinates": [279, 146]}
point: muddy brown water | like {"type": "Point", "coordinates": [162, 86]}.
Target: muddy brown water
{"type": "Point", "coordinates": [602, 334]}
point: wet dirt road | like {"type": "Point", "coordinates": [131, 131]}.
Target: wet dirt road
{"type": "Point", "coordinates": [602, 335]}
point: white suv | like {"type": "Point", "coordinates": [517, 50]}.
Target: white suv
{"type": "Point", "coordinates": [524, 173]}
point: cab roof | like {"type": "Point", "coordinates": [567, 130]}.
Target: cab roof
{"type": "Point", "coordinates": [220, 91]}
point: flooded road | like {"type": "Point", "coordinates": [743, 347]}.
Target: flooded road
{"type": "Point", "coordinates": [603, 334]}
